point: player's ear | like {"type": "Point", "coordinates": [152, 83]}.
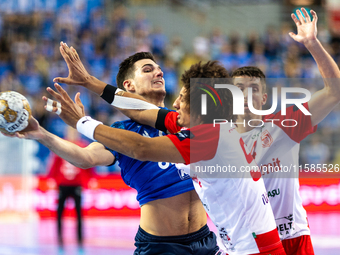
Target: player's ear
{"type": "Point", "coordinates": [264, 98]}
{"type": "Point", "coordinates": [129, 85]}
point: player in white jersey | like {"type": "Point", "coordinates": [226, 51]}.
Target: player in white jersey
{"type": "Point", "coordinates": [275, 146]}
{"type": "Point", "coordinates": [235, 200]}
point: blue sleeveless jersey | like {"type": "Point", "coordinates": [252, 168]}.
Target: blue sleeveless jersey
{"type": "Point", "coordinates": [152, 180]}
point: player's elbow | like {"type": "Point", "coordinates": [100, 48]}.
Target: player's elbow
{"type": "Point", "coordinates": [332, 91]}
{"type": "Point", "coordinates": [332, 95]}
{"type": "Point", "coordinates": [85, 164]}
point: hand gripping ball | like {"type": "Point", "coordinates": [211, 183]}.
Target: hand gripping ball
{"type": "Point", "coordinates": [15, 112]}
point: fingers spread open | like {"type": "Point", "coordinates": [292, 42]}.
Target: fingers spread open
{"type": "Point", "coordinates": [62, 92]}
{"type": "Point", "coordinates": [54, 94]}
{"type": "Point", "coordinates": [315, 17]}
{"type": "Point", "coordinates": [301, 18]}
{"type": "Point", "coordinates": [305, 13]}
{"type": "Point", "coordinates": [295, 19]}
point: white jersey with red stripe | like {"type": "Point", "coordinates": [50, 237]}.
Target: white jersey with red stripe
{"type": "Point", "coordinates": [275, 147]}
{"type": "Point", "coordinates": [235, 199]}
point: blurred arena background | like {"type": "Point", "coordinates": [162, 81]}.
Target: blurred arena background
{"type": "Point", "coordinates": [179, 33]}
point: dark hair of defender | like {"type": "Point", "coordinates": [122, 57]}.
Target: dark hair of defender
{"type": "Point", "coordinates": [126, 68]}
{"type": "Point", "coordinates": [213, 70]}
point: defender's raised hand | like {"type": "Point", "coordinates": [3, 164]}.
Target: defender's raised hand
{"type": "Point", "coordinates": [68, 110]}
{"type": "Point", "coordinates": [306, 28]}
{"type": "Point", "coordinates": [78, 74]}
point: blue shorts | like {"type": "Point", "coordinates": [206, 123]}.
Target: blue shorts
{"type": "Point", "coordinates": [201, 242]}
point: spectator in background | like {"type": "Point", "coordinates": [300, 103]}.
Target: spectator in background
{"type": "Point", "coordinates": [217, 39]}
{"type": "Point", "coordinates": [70, 180]}
{"type": "Point", "coordinates": [226, 56]}
{"type": "Point", "coordinates": [158, 42]}
{"type": "Point", "coordinates": [175, 50]}
{"type": "Point", "coordinates": [142, 23]}
{"type": "Point", "coordinates": [169, 71]}
{"type": "Point", "coordinates": [106, 33]}
{"type": "Point", "coordinates": [10, 82]}
{"type": "Point", "coordinates": [272, 43]}
{"type": "Point", "coordinates": [241, 56]}
{"type": "Point", "coordinates": [201, 46]}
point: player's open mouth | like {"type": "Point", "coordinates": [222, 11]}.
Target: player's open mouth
{"type": "Point", "coordinates": [158, 83]}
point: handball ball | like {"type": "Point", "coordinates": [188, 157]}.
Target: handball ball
{"type": "Point", "coordinates": [15, 112]}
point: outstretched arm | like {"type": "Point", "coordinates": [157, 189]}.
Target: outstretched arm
{"type": "Point", "coordinates": [324, 100]}
{"type": "Point", "coordinates": [71, 112]}
{"type": "Point", "coordinates": [126, 142]}
{"type": "Point", "coordinates": [78, 75]}
{"type": "Point", "coordinates": [158, 149]}
{"type": "Point", "coordinates": [94, 154]}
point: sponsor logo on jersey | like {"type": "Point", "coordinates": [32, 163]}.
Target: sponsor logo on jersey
{"type": "Point", "coordinates": [184, 134]}
{"type": "Point", "coordinates": [271, 167]}
{"type": "Point", "coordinates": [225, 238]}
{"type": "Point", "coordinates": [224, 234]}
{"type": "Point", "coordinates": [182, 174]}
{"type": "Point", "coordinates": [274, 192]}
{"type": "Point", "coordinates": [146, 134]}
{"type": "Point", "coordinates": [265, 199]}
{"type": "Point", "coordinates": [266, 138]}
{"type": "Point", "coordinates": [287, 227]}
{"type": "Point", "coordinates": [257, 134]}
{"type": "Point", "coordinates": [232, 129]}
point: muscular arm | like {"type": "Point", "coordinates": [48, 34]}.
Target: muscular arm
{"type": "Point", "coordinates": [324, 100]}
{"type": "Point", "coordinates": [94, 154]}
{"type": "Point", "coordinates": [158, 149]}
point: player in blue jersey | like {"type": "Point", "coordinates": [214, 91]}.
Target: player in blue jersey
{"type": "Point", "coordinates": [237, 205]}
{"type": "Point", "coordinates": [173, 220]}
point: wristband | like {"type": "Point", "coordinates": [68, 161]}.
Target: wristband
{"type": "Point", "coordinates": [109, 93]}
{"type": "Point", "coordinates": [124, 102]}
{"type": "Point", "coordinates": [160, 121]}
{"type": "Point", "coordinates": [86, 126]}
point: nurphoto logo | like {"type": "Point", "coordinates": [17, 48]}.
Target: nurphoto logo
{"type": "Point", "coordinates": [238, 104]}
{"type": "Point", "coordinates": [238, 100]}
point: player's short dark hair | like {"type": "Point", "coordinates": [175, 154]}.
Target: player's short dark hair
{"type": "Point", "coordinates": [126, 68]}
{"type": "Point", "coordinates": [213, 70]}
{"type": "Point", "coordinates": [251, 71]}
